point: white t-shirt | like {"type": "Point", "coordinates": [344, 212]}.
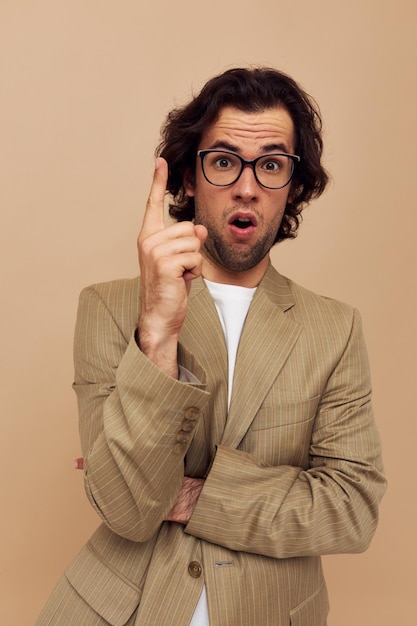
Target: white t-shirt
{"type": "Point", "coordinates": [232, 304]}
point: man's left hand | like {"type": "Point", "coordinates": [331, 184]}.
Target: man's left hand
{"type": "Point", "coordinates": [187, 499]}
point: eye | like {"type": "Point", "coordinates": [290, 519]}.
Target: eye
{"type": "Point", "coordinates": [271, 165]}
{"type": "Point", "coordinates": [223, 162]}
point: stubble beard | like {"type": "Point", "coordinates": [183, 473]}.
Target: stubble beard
{"type": "Point", "coordinates": [237, 257]}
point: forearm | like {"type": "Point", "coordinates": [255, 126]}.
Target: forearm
{"type": "Point", "coordinates": [286, 511]}
{"type": "Point", "coordinates": [133, 444]}
{"type": "Point", "coordinates": [131, 417]}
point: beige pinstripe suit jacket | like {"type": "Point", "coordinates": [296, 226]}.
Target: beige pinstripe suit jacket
{"type": "Point", "coordinates": [293, 471]}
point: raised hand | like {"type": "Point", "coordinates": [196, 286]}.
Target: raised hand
{"type": "Point", "coordinates": [169, 259]}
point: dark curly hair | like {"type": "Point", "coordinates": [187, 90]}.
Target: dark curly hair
{"type": "Point", "coordinates": [250, 90]}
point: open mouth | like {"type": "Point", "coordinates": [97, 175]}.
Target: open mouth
{"type": "Point", "coordinates": [242, 222]}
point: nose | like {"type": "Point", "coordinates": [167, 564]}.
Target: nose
{"type": "Point", "coordinates": [246, 187]}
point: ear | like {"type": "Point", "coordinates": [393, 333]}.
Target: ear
{"type": "Point", "coordinates": [188, 181]}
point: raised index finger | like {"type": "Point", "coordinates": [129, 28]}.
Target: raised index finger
{"type": "Point", "coordinates": [153, 220]}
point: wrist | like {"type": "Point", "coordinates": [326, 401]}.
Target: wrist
{"type": "Point", "coordinates": [161, 349]}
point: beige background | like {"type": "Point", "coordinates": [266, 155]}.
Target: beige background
{"type": "Point", "coordinates": [85, 85]}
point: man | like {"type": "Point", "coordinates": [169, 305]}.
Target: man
{"type": "Point", "coordinates": [225, 413]}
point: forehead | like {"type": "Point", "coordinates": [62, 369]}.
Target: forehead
{"type": "Point", "coordinates": [251, 131]}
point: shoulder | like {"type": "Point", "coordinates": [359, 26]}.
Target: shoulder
{"type": "Point", "coordinates": [117, 300]}
{"type": "Point", "coordinates": [310, 303]}
{"type": "Point", "coordinates": [120, 290]}
{"type": "Point", "coordinates": [308, 307]}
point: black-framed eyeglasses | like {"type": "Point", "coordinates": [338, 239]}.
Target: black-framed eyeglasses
{"type": "Point", "coordinates": [223, 168]}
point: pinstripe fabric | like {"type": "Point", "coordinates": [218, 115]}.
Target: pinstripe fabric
{"type": "Point", "coordinates": [293, 471]}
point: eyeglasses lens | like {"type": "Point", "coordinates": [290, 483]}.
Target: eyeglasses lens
{"type": "Point", "coordinates": [272, 170]}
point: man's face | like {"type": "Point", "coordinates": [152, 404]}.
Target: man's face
{"type": "Point", "coordinates": [242, 219]}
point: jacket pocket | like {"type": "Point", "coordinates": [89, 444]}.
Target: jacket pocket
{"type": "Point", "coordinates": [106, 591]}
{"type": "Point", "coordinates": [284, 415]}
{"type": "Point", "coordinates": [313, 611]}
{"type": "Point", "coordinates": [281, 434]}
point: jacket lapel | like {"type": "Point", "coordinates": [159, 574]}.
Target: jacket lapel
{"type": "Point", "coordinates": [203, 335]}
{"type": "Point", "coordinates": [268, 338]}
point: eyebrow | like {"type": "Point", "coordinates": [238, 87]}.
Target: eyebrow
{"type": "Point", "coordinates": [271, 147]}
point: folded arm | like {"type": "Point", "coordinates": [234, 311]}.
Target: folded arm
{"type": "Point", "coordinates": [136, 423]}
{"type": "Point", "coordinates": [285, 511]}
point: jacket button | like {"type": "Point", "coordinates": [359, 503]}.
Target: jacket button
{"type": "Point", "coordinates": [195, 569]}
{"type": "Point", "coordinates": [182, 438]}
{"type": "Point", "coordinates": [191, 413]}
{"type": "Point", "coordinates": [187, 426]}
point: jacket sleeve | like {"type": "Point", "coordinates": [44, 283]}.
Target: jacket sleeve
{"type": "Point", "coordinates": [286, 511]}
{"type": "Point", "coordinates": [136, 423]}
